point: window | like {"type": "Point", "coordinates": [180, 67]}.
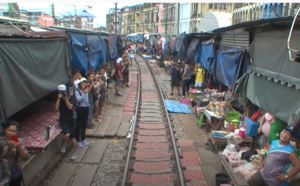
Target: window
{"type": "Point", "coordinates": [217, 6]}
{"type": "Point", "coordinates": [195, 9]}
{"type": "Point", "coordinates": [210, 5]}
{"type": "Point", "coordinates": [223, 6]}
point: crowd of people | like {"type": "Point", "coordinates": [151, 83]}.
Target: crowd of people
{"type": "Point", "coordinates": [81, 101]}
{"type": "Point", "coordinates": [181, 75]}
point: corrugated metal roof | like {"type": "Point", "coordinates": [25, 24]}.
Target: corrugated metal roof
{"type": "Point", "coordinates": [8, 19]}
{"type": "Point", "coordinates": [80, 30]}
{"type": "Point", "coordinates": [10, 30]}
{"type": "Point", "coordinates": [257, 23]}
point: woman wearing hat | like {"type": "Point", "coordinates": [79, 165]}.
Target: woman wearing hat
{"type": "Point", "coordinates": [82, 96]}
{"type": "Point", "coordinates": [273, 170]}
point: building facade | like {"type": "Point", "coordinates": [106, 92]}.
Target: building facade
{"type": "Point", "coordinates": [134, 18]}
{"type": "Point", "coordinates": [254, 11]}
{"type": "Point", "coordinates": [218, 12]}
{"type": "Point", "coordinates": [174, 18]}
{"type": "Point", "coordinates": [111, 22]}
{"type": "Point", "coordinates": [168, 20]}
{"type": "Point", "coordinates": [150, 17]}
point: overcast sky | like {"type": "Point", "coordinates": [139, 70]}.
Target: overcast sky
{"type": "Point", "coordinates": [99, 9]}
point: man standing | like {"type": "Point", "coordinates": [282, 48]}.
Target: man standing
{"type": "Point", "coordinates": [65, 103]}
{"type": "Point", "coordinates": [118, 75]}
{"type": "Point", "coordinates": [92, 99]}
{"type": "Point", "coordinates": [175, 77]}
{"type": "Point", "coordinates": [186, 76]}
{"type": "Point", "coordinates": [102, 90]}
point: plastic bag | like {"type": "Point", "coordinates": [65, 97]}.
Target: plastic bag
{"type": "Point", "coordinates": [247, 170]}
{"type": "Point", "coordinates": [226, 154]}
{"type": "Point", "coordinates": [235, 160]}
{"type": "Point", "coordinates": [256, 160]}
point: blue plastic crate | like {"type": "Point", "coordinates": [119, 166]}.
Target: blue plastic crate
{"type": "Point", "coordinates": [252, 127]}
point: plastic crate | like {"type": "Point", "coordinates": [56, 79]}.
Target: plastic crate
{"type": "Point", "coordinates": [194, 95]}
{"type": "Point", "coordinates": [252, 127]}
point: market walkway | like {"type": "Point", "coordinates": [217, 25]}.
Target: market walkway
{"type": "Point", "coordinates": [102, 162]}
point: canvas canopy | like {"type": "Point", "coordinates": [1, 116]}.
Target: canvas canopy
{"type": "Point", "coordinates": [229, 65]}
{"type": "Point", "coordinates": [274, 81]}
{"type": "Point", "coordinates": [31, 69]}
{"type": "Point", "coordinates": [206, 54]}
{"type": "Point", "coordinates": [193, 48]}
{"type": "Point", "coordinates": [180, 45]}
{"type": "Point", "coordinates": [88, 51]}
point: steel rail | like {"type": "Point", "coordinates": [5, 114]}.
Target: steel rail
{"type": "Point", "coordinates": [180, 174]}
{"type": "Point", "coordinates": [176, 154]}
{"type": "Point", "coordinates": [130, 148]}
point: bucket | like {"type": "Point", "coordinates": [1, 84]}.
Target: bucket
{"type": "Point", "coordinates": [221, 178]}
{"type": "Point", "coordinates": [242, 133]}
{"type": "Point", "coordinates": [231, 127]}
{"type": "Point", "coordinates": [235, 123]}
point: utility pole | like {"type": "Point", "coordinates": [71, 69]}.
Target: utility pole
{"type": "Point", "coordinates": [116, 19]}
{"type": "Point", "coordinates": [75, 17]}
{"type": "Point", "coordinates": [178, 18]}
{"type": "Point", "coordinates": [53, 12]}
{"type": "Point", "coordinates": [167, 19]}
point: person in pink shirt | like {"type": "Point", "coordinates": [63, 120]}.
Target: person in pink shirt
{"type": "Point", "coordinates": [265, 126]}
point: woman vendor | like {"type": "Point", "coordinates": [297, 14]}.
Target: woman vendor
{"type": "Point", "coordinates": [264, 128]}
{"type": "Point", "coordinates": [273, 170]}
{"type": "Point", "coordinates": [270, 127]}
{"type": "Point", "coordinates": [13, 151]}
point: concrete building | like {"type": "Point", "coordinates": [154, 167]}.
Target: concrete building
{"type": "Point", "coordinates": [82, 20]}
{"type": "Point", "coordinates": [191, 15]}
{"type": "Point", "coordinates": [150, 17]}
{"type": "Point", "coordinates": [254, 11]}
{"type": "Point", "coordinates": [208, 16]}
{"type": "Point", "coordinates": [133, 19]}
{"type": "Point", "coordinates": [168, 20]}
{"type": "Point", "coordinates": [110, 21]}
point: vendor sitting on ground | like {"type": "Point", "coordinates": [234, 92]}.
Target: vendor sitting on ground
{"type": "Point", "coordinates": [273, 170]}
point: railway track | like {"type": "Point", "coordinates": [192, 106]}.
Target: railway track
{"type": "Point", "coordinates": [152, 157]}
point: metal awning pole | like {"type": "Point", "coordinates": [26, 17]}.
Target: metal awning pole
{"type": "Point", "coordinates": [290, 35]}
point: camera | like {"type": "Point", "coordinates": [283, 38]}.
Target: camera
{"type": "Point", "coordinates": [64, 93]}
{"type": "Point", "coordinates": [94, 80]}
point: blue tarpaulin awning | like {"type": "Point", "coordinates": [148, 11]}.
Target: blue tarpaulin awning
{"type": "Point", "coordinates": [88, 51]}
{"type": "Point", "coordinates": [229, 65]}
{"type": "Point", "coordinates": [206, 54]}
{"type": "Point", "coordinates": [78, 51]}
